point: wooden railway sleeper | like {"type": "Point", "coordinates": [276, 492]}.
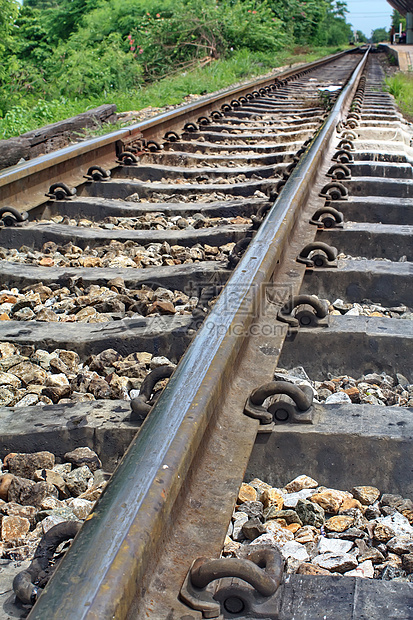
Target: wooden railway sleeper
{"type": "Point", "coordinates": [292, 404]}
{"type": "Point", "coordinates": [262, 569]}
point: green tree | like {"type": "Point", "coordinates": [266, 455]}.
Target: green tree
{"type": "Point", "coordinates": [397, 19]}
{"type": "Point", "coordinates": [9, 10]}
{"type": "Point", "coordinates": [379, 34]}
{"type": "Point", "coordinates": [361, 37]}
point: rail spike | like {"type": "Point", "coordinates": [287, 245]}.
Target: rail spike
{"type": "Point", "coordinates": [344, 156]}
{"type": "Point", "coordinates": [292, 405]}
{"type": "Point", "coordinates": [127, 158]}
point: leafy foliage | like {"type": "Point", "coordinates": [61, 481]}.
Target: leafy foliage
{"type": "Point", "coordinates": [55, 51]}
{"type": "Point", "coordinates": [379, 34]}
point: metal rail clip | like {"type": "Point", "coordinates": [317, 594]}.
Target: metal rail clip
{"type": "Point", "coordinates": [292, 404]}
{"type": "Point", "coordinates": [262, 569]}
{"type": "Point", "coordinates": [12, 217]}
{"type": "Point", "coordinates": [304, 311]}
{"type": "Point", "coordinates": [318, 254]}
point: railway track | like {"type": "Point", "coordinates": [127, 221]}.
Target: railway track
{"type": "Point", "coordinates": [259, 242]}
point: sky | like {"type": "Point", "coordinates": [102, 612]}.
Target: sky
{"type": "Point", "coordinates": [367, 15]}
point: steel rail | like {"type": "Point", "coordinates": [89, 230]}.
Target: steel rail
{"type": "Point", "coordinates": [107, 563]}
{"type": "Point", "coordinates": [25, 185]}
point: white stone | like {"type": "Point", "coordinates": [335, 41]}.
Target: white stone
{"type": "Point", "coordinates": [353, 312]}
{"type": "Point", "coordinates": [51, 521]}
{"type": "Point", "coordinates": [134, 394]}
{"type": "Point", "coordinates": [301, 482]}
{"type": "Point", "coordinates": [364, 570]}
{"type": "Point", "coordinates": [338, 397]}
{"type": "Point", "coordinates": [293, 549]}
{"type": "Point", "coordinates": [160, 361]}
{"type": "Point", "coordinates": [80, 507]}
{"type": "Point", "coordinates": [58, 380]}
{"type": "Point", "coordinates": [336, 562]}
{"type": "Point", "coordinates": [400, 544]}
{"type": "Point", "coordinates": [28, 400]}
{"type": "Point", "coordinates": [291, 499]}
{"type": "Point", "coordinates": [333, 545]}
{"type": "Point", "coordinates": [239, 519]}
{"type": "Point", "coordinates": [398, 523]}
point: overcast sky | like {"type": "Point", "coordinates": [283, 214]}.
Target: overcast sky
{"type": "Point", "coordinates": [367, 15]}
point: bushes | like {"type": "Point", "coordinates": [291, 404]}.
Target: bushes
{"type": "Point", "coordinates": [72, 50]}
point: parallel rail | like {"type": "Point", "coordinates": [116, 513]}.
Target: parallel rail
{"type": "Point", "coordinates": [107, 568]}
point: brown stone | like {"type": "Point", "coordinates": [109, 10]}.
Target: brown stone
{"type": "Point", "coordinates": [25, 464]}
{"type": "Point", "coordinates": [383, 533]}
{"type": "Point", "coordinates": [306, 534]}
{"type": "Point", "coordinates": [29, 493]}
{"type": "Point", "coordinates": [164, 307]}
{"type": "Point", "coordinates": [84, 456]}
{"type": "Point", "coordinates": [5, 482]}
{"type": "Point", "coordinates": [353, 393]}
{"type": "Point", "coordinates": [14, 528]}
{"type": "Point", "coordinates": [16, 510]}
{"type": "Point", "coordinates": [7, 458]}
{"type": "Point", "coordinates": [293, 527]}
{"type": "Point", "coordinates": [339, 523]}
{"type": "Point", "coordinates": [5, 298]}
{"type": "Point", "coordinates": [29, 373]}
{"type": "Point", "coordinates": [46, 261]}
{"type": "Point", "coordinates": [56, 393]}
{"type": "Point", "coordinates": [247, 493]}
{"type": "Point", "coordinates": [90, 261]}
{"type": "Point", "coordinates": [93, 493]}
{"type": "Point", "coordinates": [366, 495]}
{"type": "Point", "coordinates": [271, 497]}
{"type": "Point", "coordinates": [4, 317]}
{"type": "Point", "coordinates": [311, 569]}
{"type": "Point", "coordinates": [407, 561]}
{"type": "Point", "coordinates": [301, 482]}
{"type": "Point", "coordinates": [409, 515]}
{"type": "Point", "coordinates": [329, 499]}
{"type": "Point", "coordinates": [52, 477]}
{"type": "Point", "coordinates": [349, 503]}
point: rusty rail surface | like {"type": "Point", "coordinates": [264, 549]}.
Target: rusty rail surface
{"type": "Point", "coordinates": [107, 571]}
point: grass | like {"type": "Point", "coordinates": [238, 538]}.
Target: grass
{"type": "Point", "coordinates": [241, 65]}
{"type": "Point", "coordinates": [400, 86]}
